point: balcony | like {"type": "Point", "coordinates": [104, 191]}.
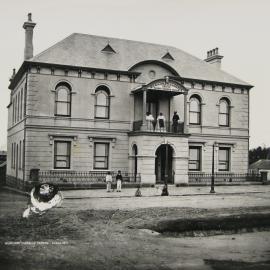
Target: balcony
{"type": "Point", "coordinates": [152, 126]}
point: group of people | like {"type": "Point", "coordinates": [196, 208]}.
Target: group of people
{"type": "Point", "coordinates": [159, 125]}
{"type": "Point", "coordinates": [109, 181]}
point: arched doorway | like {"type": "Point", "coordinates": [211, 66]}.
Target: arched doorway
{"type": "Point", "coordinates": [164, 164]}
{"type": "Point", "coordinates": [135, 161]}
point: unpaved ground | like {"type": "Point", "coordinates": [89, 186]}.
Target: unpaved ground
{"type": "Point", "coordinates": [73, 238]}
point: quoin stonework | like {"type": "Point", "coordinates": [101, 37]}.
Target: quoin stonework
{"type": "Point", "coordinates": [81, 105]}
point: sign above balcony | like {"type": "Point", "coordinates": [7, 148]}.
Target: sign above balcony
{"type": "Point", "coordinates": [166, 85]}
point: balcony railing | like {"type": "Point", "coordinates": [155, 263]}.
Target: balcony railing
{"type": "Point", "coordinates": [78, 177]}
{"type": "Point", "coordinates": [223, 177]}
{"type": "Point", "coordinates": [153, 126]}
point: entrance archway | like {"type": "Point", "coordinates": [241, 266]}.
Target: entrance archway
{"type": "Point", "coordinates": [164, 164]}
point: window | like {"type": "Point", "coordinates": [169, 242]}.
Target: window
{"type": "Point", "coordinates": [23, 149]}
{"type": "Point", "coordinates": [12, 155]}
{"type": "Point", "coordinates": [63, 100]}
{"type": "Point", "coordinates": [224, 159]}
{"type": "Point", "coordinates": [21, 104]}
{"type": "Point", "coordinates": [194, 163]}
{"type": "Point", "coordinates": [15, 110]}
{"type": "Point", "coordinates": [62, 154]}
{"type": "Point", "coordinates": [195, 110]}
{"type": "Point", "coordinates": [101, 156]}
{"type": "Point", "coordinates": [102, 105]}
{"type": "Point", "coordinates": [20, 155]}
{"type": "Point", "coordinates": [19, 107]}
{"type": "Point", "coordinates": [224, 112]}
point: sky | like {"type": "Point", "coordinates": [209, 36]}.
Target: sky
{"type": "Point", "coordinates": [239, 28]}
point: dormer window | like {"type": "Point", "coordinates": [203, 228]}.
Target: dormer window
{"type": "Point", "coordinates": [108, 49]}
{"type": "Point", "coordinates": [167, 56]}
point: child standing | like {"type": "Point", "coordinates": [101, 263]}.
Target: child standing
{"type": "Point", "coordinates": [109, 181]}
{"type": "Point", "coordinates": [119, 180]}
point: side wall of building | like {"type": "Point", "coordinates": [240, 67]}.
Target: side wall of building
{"type": "Point", "coordinates": [15, 140]}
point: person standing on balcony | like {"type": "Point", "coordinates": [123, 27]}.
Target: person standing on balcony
{"type": "Point", "coordinates": [109, 181]}
{"type": "Point", "coordinates": [161, 122]}
{"type": "Point", "coordinates": [175, 121]}
{"type": "Point", "coordinates": [119, 180]}
{"type": "Point", "coordinates": [149, 121]}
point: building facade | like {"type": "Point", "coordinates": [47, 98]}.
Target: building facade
{"type": "Point", "coordinates": [81, 105]}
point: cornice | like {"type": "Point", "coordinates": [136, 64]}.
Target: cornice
{"type": "Point", "coordinates": [214, 83]}
{"type": "Point", "coordinates": [27, 64]}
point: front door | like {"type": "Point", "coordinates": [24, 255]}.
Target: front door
{"type": "Point", "coordinates": [163, 164]}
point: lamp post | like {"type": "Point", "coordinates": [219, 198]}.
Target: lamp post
{"type": "Point", "coordinates": [213, 170]}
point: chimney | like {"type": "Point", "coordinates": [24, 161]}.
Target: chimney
{"type": "Point", "coordinates": [28, 26]}
{"type": "Point", "coordinates": [13, 74]}
{"type": "Point", "coordinates": [214, 58]}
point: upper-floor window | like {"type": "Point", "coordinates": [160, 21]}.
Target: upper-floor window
{"type": "Point", "coordinates": [63, 100]}
{"type": "Point", "coordinates": [102, 103]}
{"type": "Point", "coordinates": [19, 109]}
{"type": "Point", "coordinates": [224, 112]}
{"type": "Point", "coordinates": [195, 110]}
{"type": "Point", "coordinates": [15, 109]}
{"type": "Point", "coordinates": [21, 104]}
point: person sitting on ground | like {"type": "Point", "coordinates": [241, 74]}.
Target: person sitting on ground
{"type": "Point", "coordinates": [119, 180]}
{"type": "Point", "coordinates": [109, 181]}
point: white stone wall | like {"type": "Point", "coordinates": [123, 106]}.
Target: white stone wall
{"type": "Point", "coordinates": [16, 130]}
{"type": "Point", "coordinates": [40, 148]}
{"type": "Point", "coordinates": [147, 146]}
{"type": "Point", "coordinates": [41, 122]}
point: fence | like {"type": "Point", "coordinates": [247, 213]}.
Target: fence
{"type": "Point", "coordinates": [83, 177]}
{"type": "Point", "coordinates": [198, 177]}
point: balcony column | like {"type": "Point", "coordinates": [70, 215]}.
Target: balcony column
{"type": "Point", "coordinates": [144, 109]}
{"type": "Point", "coordinates": [185, 113]}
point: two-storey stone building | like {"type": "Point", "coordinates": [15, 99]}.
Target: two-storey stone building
{"type": "Point", "coordinates": [81, 105]}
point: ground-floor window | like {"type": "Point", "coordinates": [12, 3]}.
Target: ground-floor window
{"type": "Point", "coordinates": [224, 159]}
{"type": "Point", "coordinates": [101, 155]}
{"type": "Point", "coordinates": [194, 163]}
{"type": "Point", "coordinates": [62, 154]}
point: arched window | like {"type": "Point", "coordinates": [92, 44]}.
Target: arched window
{"type": "Point", "coordinates": [22, 104]}
{"type": "Point", "coordinates": [63, 100]}
{"type": "Point", "coordinates": [224, 112]}
{"type": "Point", "coordinates": [19, 107]}
{"type": "Point", "coordinates": [102, 105]}
{"type": "Point", "coordinates": [15, 110]}
{"type": "Point", "coordinates": [195, 110]}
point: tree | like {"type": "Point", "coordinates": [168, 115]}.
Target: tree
{"type": "Point", "coordinates": [258, 153]}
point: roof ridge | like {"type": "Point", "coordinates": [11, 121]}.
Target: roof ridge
{"type": "Point", "coordinates": [130, 40]}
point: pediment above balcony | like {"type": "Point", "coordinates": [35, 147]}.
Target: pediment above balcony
{"type": "Point", "coordinates": [166, 85]}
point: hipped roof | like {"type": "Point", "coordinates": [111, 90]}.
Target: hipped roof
{"type": "Point", "coordinates": [86, 51]}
